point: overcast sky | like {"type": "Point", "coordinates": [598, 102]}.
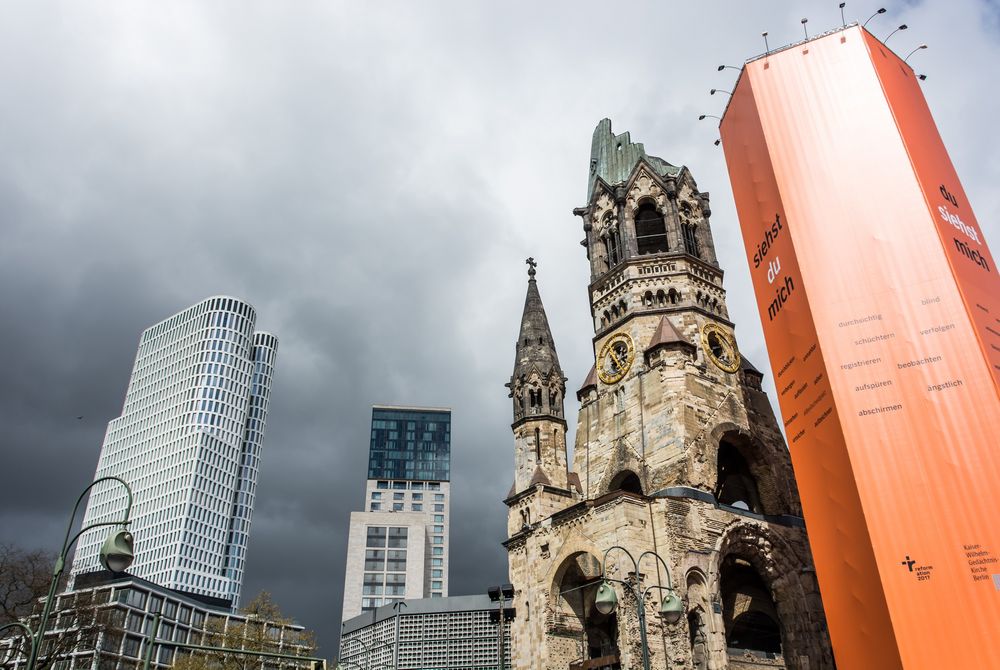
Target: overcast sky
{"type": "Point", "coordinates": [371, 176]}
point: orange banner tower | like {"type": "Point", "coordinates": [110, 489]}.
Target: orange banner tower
{"type": "Point", "coordinates": [881, 309]}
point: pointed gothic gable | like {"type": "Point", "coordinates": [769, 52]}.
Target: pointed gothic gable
{"type": "Point", "coordinates": [574, 481]}
{"type": "Point", "coordinates": [666, 334]}
{"type": "Point", "coordinates": [539, 478]}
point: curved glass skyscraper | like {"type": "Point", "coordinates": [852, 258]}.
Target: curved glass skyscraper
{"type": "Point", "coordinates": [188, 442]}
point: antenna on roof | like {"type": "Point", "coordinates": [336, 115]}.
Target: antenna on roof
{"type": "Point", "coordinates": [804, 22]}
{"type": "Point", "coordinates": [881, 10]}
{"type": "Point", "coordinates": [843, 21]}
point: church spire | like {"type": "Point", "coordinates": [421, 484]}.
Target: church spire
{"type": "Point", "coordinates": [538, 389]}
{"type": "Point", "coordinates": [536, 364]}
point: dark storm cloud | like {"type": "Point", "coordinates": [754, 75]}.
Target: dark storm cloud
{"type": "Point", "coordinates": [370, 177]}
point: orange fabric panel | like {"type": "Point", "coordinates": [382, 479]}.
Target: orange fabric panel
{"type": "Point", "coordinates": [879, 329]}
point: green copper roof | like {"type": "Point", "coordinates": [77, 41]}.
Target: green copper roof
{"type": "Point", "coordinates": [612, 158]}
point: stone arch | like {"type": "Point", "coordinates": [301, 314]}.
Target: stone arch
{"type": "Point", "coordinates": [626, 480]}
{"type": "Point", "coordinates": [572, 595]}
{"type": "Point", "coordinates": [623, 461]}
{"type": "Point", "coordinates": [752, 546]}
{"type": "Point", "coordinates": [647, 299]}
{"type": "Point", "coordinates": [779, 563]}
{"type": "Point", "coordinates": [765, 466]}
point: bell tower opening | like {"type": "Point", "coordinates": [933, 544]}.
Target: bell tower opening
{"type": "Point", "coordinates": [650, 230]}
{"type": "Point", "coordinates": [749, 613]}
{"type": "Point", "coordinates": [736, 484]}
{"type": "Point", "coordinates": [576, 585]}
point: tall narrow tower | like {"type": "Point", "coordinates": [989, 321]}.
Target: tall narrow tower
{"type": "Point", "coordinates": [538, 388]}
{"type": "Point", "coordinates": [677, 455]}
{"type": "Point", "coordinates": [188, 442]}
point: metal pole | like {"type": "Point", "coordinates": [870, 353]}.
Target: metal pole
{"type": "Point", "coordinates": [57, 571]}
{"type": "Point", "coordinates": [642, 622]}
{"type": "Point", "coordinates": [148, 656]}
{"type": "Point", "coordinates": [502, 602]}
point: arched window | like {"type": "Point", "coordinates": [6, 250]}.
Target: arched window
{"type": "Point", "coordinates": [748, 611]}
{"type": "Point", "coordinates": [614, 248]}
{"type": "Point", "coordinates": [673, 296]}
{"type": "Point", "coordinates": [690, 241]}
{"type": "Point", "coordinates": [661, 298]}
{"type": "Point", "coordinates": [623, 305]}
{"type": "Point", "coordinates": [535, 398]}
{"type": "Point", "coordinates": [736, 486]}
{"type": "Point", "coordinates": [647, 299]}
{"type": "Point", "coordinates": [614, 311]}
{"type": "Point", "coordinates": [574, 589]}
{"type": "Point", "coordinates": [626, 481]}
{"type": "Point", "coordinates": [650, 230]}
{"type": "Point", "coordinates": [538, 445]}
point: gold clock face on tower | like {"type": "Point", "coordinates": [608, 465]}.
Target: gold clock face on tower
{"type": "Point", "coordinates": [720, 347]}
{"type": "Point", "coordinates": [616, 358]}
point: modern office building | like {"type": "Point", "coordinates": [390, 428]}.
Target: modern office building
{"type": "Point", "coordinates": [429, 634]}
{"type": "Point", "coordinates": [188, 443]}
{"type": "Point", "coordinates": [398, 546]}
{"type": "Point", "coordinates": [106, 622]}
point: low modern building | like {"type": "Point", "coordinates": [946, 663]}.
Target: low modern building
{"type": "Point", "coordinates": [430, 633]}
{"type": "Point", "coordinates": [106, 620]}
{"type": "Point", "coordinates": [398, 545]}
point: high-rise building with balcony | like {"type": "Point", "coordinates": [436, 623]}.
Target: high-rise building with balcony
{"type": "Point", "coordinates": [188, 443]}
{"type": "Point", "coordinates": [398, 546]}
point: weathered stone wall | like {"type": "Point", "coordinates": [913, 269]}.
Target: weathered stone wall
{"type": "Point", "coordinates": [664, 421]}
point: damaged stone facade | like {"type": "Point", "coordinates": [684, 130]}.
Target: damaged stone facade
{"type": "Point", "coordinates": [674, 455]}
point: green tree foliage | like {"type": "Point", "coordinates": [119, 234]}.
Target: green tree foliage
{"type": "Point", "coordinates": [76, 622]}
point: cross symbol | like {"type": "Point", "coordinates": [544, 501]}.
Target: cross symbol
{"type": "Point", "coordinates": [531, 266]}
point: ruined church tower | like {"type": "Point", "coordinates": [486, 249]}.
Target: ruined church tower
{"type": "Point", "coordinates": [677, 455]}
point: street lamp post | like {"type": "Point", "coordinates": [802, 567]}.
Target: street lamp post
{"type": "Point", "coordinates": [606, 600]}
{"type": "Point", "coordinates": [501, 594]}
{"type": "Point", "coordinates": [116, 555]}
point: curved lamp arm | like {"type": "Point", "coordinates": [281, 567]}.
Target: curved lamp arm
{"type": "Point", "coordinates": [67, 543]}
{"type": "Point", "coordinates": [61, 560]}
{"type": "Point", "coordinates": [604, 563]}
{"type": "Point", "coordinates": [666, 568]}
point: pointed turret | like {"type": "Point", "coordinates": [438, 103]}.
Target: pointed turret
{"type": "Point", "coordinates": [537, 384]}
{"type": "Point", "coordinates": [538, 388]}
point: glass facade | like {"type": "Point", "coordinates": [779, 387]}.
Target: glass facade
{"type": "Point", "coordinates": [413, 444]}
{"type": "Point", "coordinates": [188, 442]}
